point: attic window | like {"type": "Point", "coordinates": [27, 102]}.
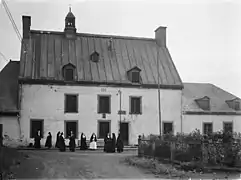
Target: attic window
{"type": "Point", "coordinates": [204, 103]}
{"type": "Point", "coordinates": [69, 72]}
{"type": "Point", "coordinates": [94, 57]}
{"type": "Point", "coordinates": [237, 106]}
{"type": "Point", "coordinates": [234, 104]}
{"type": "Point", "coordinates": [134, 75]}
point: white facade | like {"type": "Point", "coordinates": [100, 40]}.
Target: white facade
{"type": "Point", "coordinates": [10, 126]}
{"type": "Point", "coordinates": [192, 122]}
{"type": "Point", "coordinates": [47, 102]}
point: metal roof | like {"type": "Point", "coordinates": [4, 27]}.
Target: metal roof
{"type": "Point", "coordinates": [48, 52]}
{"type": "Point", "coordinates": [218, 97]}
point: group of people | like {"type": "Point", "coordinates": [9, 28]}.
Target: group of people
{"type": "Point", "coordinates": [111, 143]}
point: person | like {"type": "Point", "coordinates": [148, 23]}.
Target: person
{"type": "Point", "coordinates": [119, 144]}
{"type": "Point", "coordinates": [37, 140]}
{"type": "Point", "coordinates": [72, 142]}
{"type": "Point", "coordinates": [57, 140]}
{"type": "Point", "coordinates": [83, 145]}
{"type": "Point", "coordinates": [62, 142]}
{"type": "Point", "coordinates": [93, 142]}
{"type": "Point", "coordinates": [48, 142]}
{"type": "Point", "coordinates": [113, 140]}
{"type": "Point", "coordinates": [108, 143]}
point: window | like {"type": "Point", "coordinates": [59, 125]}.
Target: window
{"type": "Point", "coordinates": [207, 128]}
{"type": "Point", "coordinates": [167, 127]}
{"type": "Point", "coordinates": [71, 126]}
{"type": "Point", "coordinates": [204, 103]}
{"type": "Point", "coordinates": [71, 103]}
{"type": "Point", "coordinates": [228, 127]}
{"type": "Point", "coordinates": [69, 72]}
{"type": "Point", "coordinates": [135, 77]}
{"type": "Point", "coordinates": [35, 126]}
{"type": "Point", "coordinates": [94, 57]}
{"type": "Point", "coordinates": [104, 105]}
{"type": "Point", "coordinates": [104, 128]}
{"type": "Point", "coordinates": [237, 106]}
{"type": "Point", "coordinates": [135, 105]}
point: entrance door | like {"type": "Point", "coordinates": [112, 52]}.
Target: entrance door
{"type": "Point", "coordinates": [124, 131]}
{"type": "Point", "coordinates": [1, 134]}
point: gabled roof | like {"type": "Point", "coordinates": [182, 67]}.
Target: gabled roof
{"type": "Point", "coordinates": [218, 97]}
{"type": "Point", "coordinates": [9, 87]}
{"type": "Point", "coordinates": [48, 52]}
{"type": "Point", "coordinates": [135, 69]}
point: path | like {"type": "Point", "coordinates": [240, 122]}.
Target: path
{"type": "Point", "coordinates": [54, 164]}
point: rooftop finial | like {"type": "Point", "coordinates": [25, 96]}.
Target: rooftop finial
{"type": "Point", "coordinates": [70, 8]}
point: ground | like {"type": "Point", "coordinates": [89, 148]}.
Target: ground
{"type": "Point", "coordinates": [54, 164]}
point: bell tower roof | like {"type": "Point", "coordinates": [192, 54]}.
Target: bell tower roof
{"type": "Point", "coordinates": [70, 14]}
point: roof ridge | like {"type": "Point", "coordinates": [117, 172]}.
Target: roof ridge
{"type": "Point", "coordinates": [94, 35]}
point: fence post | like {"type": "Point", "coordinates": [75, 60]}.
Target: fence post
{"type": "Point", "coordinates": [139, 146]}
{"type": "Point", "coordinates": [172, 150]}
{"type": "Point", "coordinates": [153, 149]}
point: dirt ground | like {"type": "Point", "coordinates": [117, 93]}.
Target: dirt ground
{"type": "Point", "coordinates": [81, 165]}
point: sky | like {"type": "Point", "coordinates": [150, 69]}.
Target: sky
{"type": "Point", "coordinates": [203, 36]}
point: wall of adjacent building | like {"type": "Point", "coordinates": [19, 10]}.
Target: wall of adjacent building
{"type": "Point", "coordinates": [191, 122]}
{"type": "Point", "coordinates": [10, 126]}
{"type": "Point", "coordinates": [47, 102]}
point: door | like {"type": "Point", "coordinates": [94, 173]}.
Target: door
{"type": "Point", "coordinates": [124, 131]}
{"type": "Point", "coordinates": [1, 134]}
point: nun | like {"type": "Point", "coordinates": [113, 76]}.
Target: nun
{"type": "Point", "coordinates": [57, 140]}
{"type": "Point", "coordinates": [37, 140]}
{"type": "Point", "coordinates": [108, 143]}
{"type": "Point", "coordinates": [62, 146]}
{"type": "Point", "coordinates": [72, 144]}
{"type": "Point", "coordinates": [48, 142]}
{"type": "Point", "coordinates": [113, 144]}
{"type": "Point", "coordinates": [119, 144]}
{"type": "Point", "coordinates": [93, 142]}
{"type": "Point", "coordinates": [83, 144]}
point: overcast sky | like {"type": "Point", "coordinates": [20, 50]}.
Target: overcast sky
{"type": "Point", "coordinates": [203, 36]}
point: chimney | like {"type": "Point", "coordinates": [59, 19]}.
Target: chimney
{"type": "Point", "coordinates": [160, 36]}
{"type": "Point", "coordinates": [26, 26]}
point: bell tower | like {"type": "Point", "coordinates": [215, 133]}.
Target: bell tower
{"type": "Point", "coordinates": [70, 30]}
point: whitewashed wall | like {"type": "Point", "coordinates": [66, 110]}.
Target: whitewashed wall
{"type": "Point", "coordinates": [47, 102]}
{"type": "Point", "coordinates": [191, 122]}
{"type": "Point", "coordinates": [10, 126]}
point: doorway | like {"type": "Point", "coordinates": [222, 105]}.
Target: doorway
{"type": "Point", "coordinates": [124, 131]}
{"type": "Point", "coordinates": [1, 134]}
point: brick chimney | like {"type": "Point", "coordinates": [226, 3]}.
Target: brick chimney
{"type": "Point", "coordinates": [160, 36]}
{"type": "Point", "coordinates": [26, 26]}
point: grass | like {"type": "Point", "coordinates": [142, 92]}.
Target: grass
{"type": "Point", "coordinates": [9, 157]}
{"type": "Point", "coordinates": [162, 170]}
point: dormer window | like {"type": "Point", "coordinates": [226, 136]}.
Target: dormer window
{"type": "Point", "coordinates": [234, 104]}
{"type": "Point", "coordinates": [69, 72]}
{"type": "Point", "coordinates": [94, 57]}
{"type": "Point", "coordinates": [204, 103]}
{"type": "Point", "coordinates": [134, 75]}
{"type": "Point", "coordinates": [237, 105]}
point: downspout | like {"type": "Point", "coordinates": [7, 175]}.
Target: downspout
{"type": "Point", "coordinates": [181, 111]}
{"type": "Point", "coordinates": [19, 109]}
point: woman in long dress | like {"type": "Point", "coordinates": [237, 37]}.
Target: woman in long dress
{"type": "Point", "coordinates": [62, 146]}
{"type": "Point", "coordinates": [108, 143]}
{"type": "Point", "coordinates": [48, 142]}
{"type": "Point", "coordinates": [72, 142]}
{"type": "Point", "coordinates": [93, 142]}
{"type": "Point", "coordinates": [57, 140]}
{"type": "Point", "coordinates": [37, 140]}
{"type": "Point", "coordinates": [83, 144]}
{"type": "Point", "coordinates": [113, 145]}
{"type": "Point", "coordinates": [119, 144]}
